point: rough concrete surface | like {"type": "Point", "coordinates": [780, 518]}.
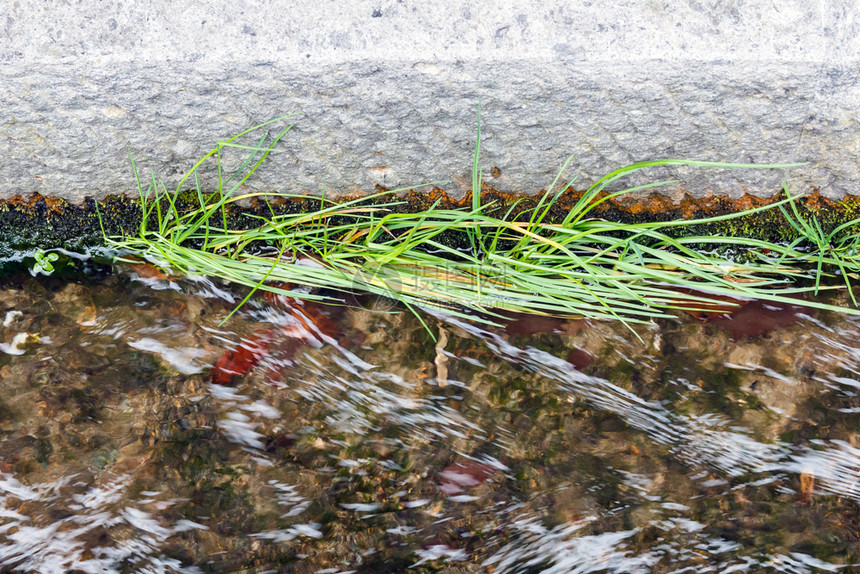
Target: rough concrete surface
{"type": "Point", "coordinates": [389, 91]}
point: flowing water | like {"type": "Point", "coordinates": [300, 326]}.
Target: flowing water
{"type": "Point", "coordinates": [345, 438]}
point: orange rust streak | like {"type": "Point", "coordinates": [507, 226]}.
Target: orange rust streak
{"type": "Point", "coordinates": [679, 204]}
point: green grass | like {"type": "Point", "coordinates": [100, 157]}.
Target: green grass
{"type": "Point", "coordinates": [513, 259]}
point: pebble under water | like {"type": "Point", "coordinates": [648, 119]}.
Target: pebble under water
{"type": "Point", "coordinates": [729, 444]}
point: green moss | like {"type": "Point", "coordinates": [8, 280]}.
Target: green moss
{"type": "Point", "coordinates": [35, 223]}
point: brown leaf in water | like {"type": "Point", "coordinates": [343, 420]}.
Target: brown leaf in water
{"type": "Point", "coordinates": [464, 475]}
{"type": "Point", "coordinates": [579, 359]}
{"type": "Point", "coordinates": [716, 305]}
{"type": "Point", "coordinates": [741, 318]}
{"type": "Point", "coordinates": [758, 318]}
{"type": "Point", "coordinates": [807, 485]}
{"type": "Point", "coordinates": [239, 361]}
{"type": "Point", "coordinates": [441, 360]}
{"type": "Point", "coordinates": [87, 315]}
{"type": "Point", "coordinates": [149, 271]}
{"type": "Point", "coordinates": [521, 324]}
{"type": "Point", "coordinates": [308, 324]}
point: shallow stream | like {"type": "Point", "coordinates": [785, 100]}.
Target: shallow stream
{"type": "Point", "coordinates": [722, 445]}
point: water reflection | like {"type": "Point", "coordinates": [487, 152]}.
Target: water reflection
{"type": "Point", "coordinates": [348, 440]}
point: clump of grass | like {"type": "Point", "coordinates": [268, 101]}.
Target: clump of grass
{"type": "Point", "coordinates": [516, 260]}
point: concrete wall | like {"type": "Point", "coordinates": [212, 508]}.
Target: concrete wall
{"type": "Point", "coordinates": [389, 91]}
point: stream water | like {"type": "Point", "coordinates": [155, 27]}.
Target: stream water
{"type": "Point", "coordinates": [547, 445]}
